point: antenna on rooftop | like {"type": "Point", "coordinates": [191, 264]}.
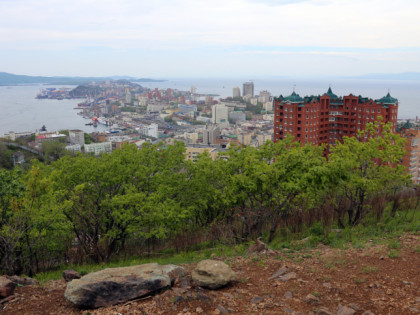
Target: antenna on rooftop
{"type": "Point", "coordinates": [294, 86]}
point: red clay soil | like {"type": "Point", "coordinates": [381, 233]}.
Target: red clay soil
{"type": "Point", "coordinates": [368, 281]}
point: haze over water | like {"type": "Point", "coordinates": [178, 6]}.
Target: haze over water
{"type": "Point", "coordinates": [20, 111]}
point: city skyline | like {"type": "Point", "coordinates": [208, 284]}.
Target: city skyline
{"type": "Point", "coordinates": [197, 39]}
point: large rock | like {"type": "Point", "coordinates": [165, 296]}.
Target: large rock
{"type": "Point", "coordinates": [22, 281]}
{"type": "Point", "coordinates": [212, 274]}
{"type": "Point", "coordinates": [7, 287]}
{"type": "Point", "coordinates": [116, 285]}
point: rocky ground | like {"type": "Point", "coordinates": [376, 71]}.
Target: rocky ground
{"type": "Point", "coordinates": [373, 280]}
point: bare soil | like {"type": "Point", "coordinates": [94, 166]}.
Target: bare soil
{"type": "Point", "coordinates": [364, 280]}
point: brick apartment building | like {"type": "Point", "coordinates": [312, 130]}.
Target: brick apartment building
{"type": "Point", "coordinates": [327, 118]}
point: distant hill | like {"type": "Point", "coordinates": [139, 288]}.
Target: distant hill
{"type": "Point", "coordinates": [415, 76]}
{"type": "Point", "coordinates": [14, 79]}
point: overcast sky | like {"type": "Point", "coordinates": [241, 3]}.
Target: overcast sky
{"type": "Point", "coordinates": [209, 38]}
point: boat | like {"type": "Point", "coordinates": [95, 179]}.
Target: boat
{"type": "Point", "coordinates": [89, 124]}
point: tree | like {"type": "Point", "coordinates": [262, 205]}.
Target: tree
{"type": "Point", "coordinates": [366, 166]}
{"type": "Point", "coordinates": [31, 227]}
{"type": "Point", "coordinates": [130, 193]}
{"type": "Point", "coordinates": [53, 150]}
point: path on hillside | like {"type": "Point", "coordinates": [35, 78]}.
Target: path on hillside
{"type": "Point", "coordinates": [380, 279]}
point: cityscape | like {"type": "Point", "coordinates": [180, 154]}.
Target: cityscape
{"type": "Point", "coordinates": [210, 157]}
{"type": "Point", "coordinates": [133, 114]}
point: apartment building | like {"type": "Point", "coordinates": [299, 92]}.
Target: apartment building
{"type": "Point", "coordinates": [328, 118]}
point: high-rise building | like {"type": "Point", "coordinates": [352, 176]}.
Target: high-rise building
{"type": "Point", "coordinates": [210, 134]}
{"type": "Point", "coordinates": [220, 114]}
{"type": "Point", "coordinates": [327, 118]}
{"type": "Point", "coordinates": [248, 89]}
{"type": "Point", "coordinates": [236, 92]}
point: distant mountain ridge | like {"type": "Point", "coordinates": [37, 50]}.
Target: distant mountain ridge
{"type": "Point", "coordinates": [415, 76]}
{"type": "Point", "coordinates": [14, 79]}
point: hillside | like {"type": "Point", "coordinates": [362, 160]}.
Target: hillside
{"type": "Point", "coordinates": [13, 79]}
{"type": "Point", "coordinates": [377, 279]}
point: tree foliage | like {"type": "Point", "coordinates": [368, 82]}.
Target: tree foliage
{"type": "Point", "coordinates": [86, 208]}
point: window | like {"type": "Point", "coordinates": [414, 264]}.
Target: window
{"type": "Point", "coordinates": [291, 116]}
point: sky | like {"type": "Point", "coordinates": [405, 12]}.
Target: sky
{"type": "Point", "coordinates": [203, 38]}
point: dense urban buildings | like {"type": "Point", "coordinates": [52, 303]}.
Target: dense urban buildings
{"type": "Point", "coordinates": [327, 118]}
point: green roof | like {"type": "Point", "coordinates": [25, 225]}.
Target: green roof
{"type": "Point", "coordinates": [388, 99]}
{"type": "Point", "coordinates": [407, 125]}
{"type": "Point", "coordinates": [294, 98]}
{"type": "Point", "coordinates": [331, 94]}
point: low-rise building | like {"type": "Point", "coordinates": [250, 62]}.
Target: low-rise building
{"type": "Point", "coordinates": [98, 148]}
{"type": "Point", "coordinates": [192, 152]}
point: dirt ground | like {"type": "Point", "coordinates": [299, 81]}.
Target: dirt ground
{"type": "Point", "coordinates": [373, 280]}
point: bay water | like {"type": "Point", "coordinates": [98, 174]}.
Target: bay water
{"type": "Point", "coordinates": [20, 111]}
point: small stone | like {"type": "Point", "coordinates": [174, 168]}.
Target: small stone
{"type": "Point", "coordinates": [216, 312]}
{"type": "Point", "coordinates": [324, 311]}
{"type": "Point", "coordinates": [279, 272]}
{"type": "Point", "coordinates": [199, 310]}
{"type": "Point", "coordinates": [344, 310]}
{"type": "Point", "coordinates": [221, 309]}
{"type": "Point", "coordinates": [327, 285]}
{"type": "Point", "coordinates": [288, 295]}
{"type": "Point", "coordinates": [381, 258]}
{"type": "Point", "coordinates": [179, 299]}
{"type": "Point", "coordinates": [256, 299]}
{"type": "Point", "coordinates": [354, 306]}
{"type": "Point", "coordinates": [204, 298]}
{"type": "Point", "coordinates": [288, 276]}
{"type": "Point", "coordinates": [70, 274]}
{"type": "Point", "coordinates": [228, 295]}
{"type": "Point", "coordinates": [389, 292]}
{"type": "Point", "coordinates": [311, 299]}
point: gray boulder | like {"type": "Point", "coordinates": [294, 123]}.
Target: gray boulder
{"type": "Point", "coordinates": [22, 281]}
{"type": "Point", "coordinates": [212, 274]}
{"type": "Point", "coordinates": [117, 285]}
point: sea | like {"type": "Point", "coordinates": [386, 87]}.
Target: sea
{"type": "Point", "coordinates": [20, 111]}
